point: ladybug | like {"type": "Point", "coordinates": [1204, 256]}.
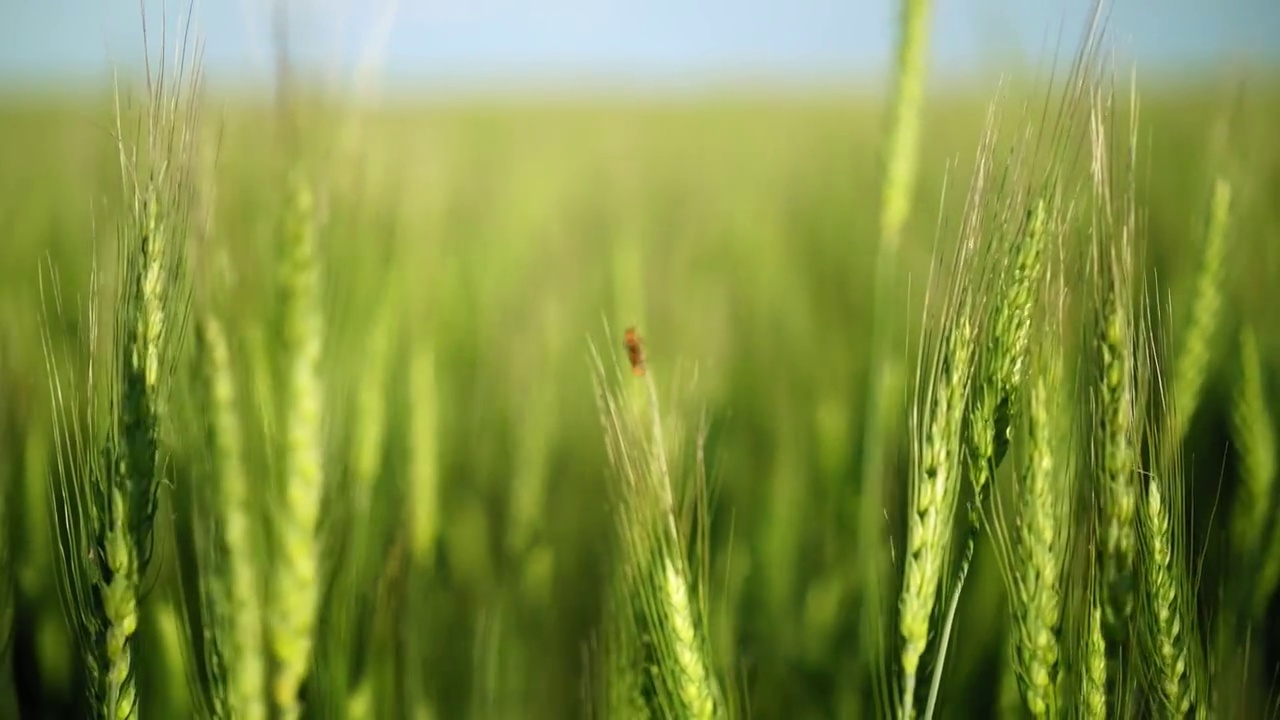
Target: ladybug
{"type": "Point", "coordinates": [635, 353]}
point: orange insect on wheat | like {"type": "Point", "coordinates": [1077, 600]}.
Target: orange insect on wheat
{"type": "Point", "coordinates": [635, 353]}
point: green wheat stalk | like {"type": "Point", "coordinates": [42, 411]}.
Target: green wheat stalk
{"type": "Point", "coordinates": [1194, 360]}
{"type": "Point", "coordinates": [656, 578]}
{"type": "Point", "coordinates": [110, 463]}
{"type": "Point", "coordinates": [295, 589]}
{"type": "Point", "coordinates": [245, 657]}
{"type": "Point", "coordinates": [901, 161]}
{"type": "Point", "coordinates": [1116, 395]}
{"type": "Point", "coordinates": [1035, 551]}
{"type": "Point", "coordinates": [1253, 432]}
{"type": "Point", "coordinates": [1171, 632]}
{"type": "Point", "coordinates": [944, 379]}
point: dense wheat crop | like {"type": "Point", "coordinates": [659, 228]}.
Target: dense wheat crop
{"type": "Point", "coordinates": [935, 403]}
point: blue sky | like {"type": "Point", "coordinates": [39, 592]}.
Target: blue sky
{"type": "Point", "coordinates": [651, 42]}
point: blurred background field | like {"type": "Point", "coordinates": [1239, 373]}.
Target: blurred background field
{"type": "Point", "coordinates": [737, 230]}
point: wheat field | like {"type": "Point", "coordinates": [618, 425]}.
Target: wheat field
{"type": "Point", "coordinates": [831, 405]}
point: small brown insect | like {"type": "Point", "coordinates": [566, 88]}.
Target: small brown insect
{"type": "Point", "coordinates": [635, 353]}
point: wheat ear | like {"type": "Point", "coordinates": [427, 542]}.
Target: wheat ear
{"type": "Point", "coordinates": [1254, 434]}
{"type": "Point", "coordinates": [1197, 347]}
{"type": "Point", "coordinates": [246, 690]}
{"type": "Point", "coordinates": [295, 588]}
{"type": "Point", "coordinates": [655, 579]}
